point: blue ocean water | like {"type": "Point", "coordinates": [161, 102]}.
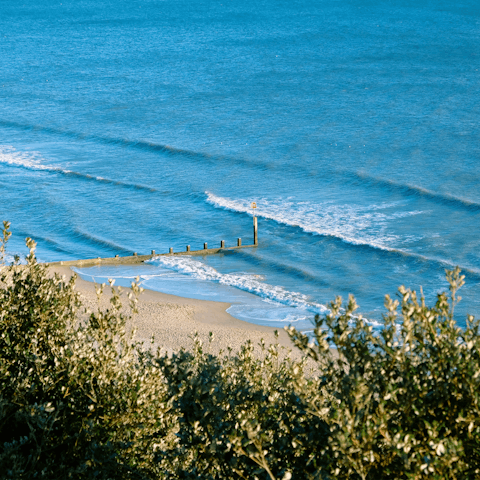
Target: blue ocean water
{"type": "Point", "coordinates": [136, 125]}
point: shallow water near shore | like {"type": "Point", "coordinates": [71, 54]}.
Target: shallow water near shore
{"type": "Point", "coordinates": [250, 307]}
{"type": "Point", "coordinates": [145, 125]}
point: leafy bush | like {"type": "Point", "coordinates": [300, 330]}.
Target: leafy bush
{"type": "Point", "coordinates": [74, 398]}
{"type": "Point", "coordinates": [79, 398]}
{"type": "Point", "coordinates": [404, 403]}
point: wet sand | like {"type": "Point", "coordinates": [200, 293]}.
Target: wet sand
{"type": "Point", "coordinates": [172, 320]}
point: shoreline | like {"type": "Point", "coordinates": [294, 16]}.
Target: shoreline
{"type": "Point", "coordinates": [172, 320]}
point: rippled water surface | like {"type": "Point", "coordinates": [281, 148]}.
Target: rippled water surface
{"type": "Point", "coordinates": [354, 125]}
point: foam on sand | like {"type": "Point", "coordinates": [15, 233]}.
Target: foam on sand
{"type": "Point", "coordinates": [246, 282]}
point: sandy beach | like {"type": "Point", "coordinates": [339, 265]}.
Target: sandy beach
{"type": "Point", "coordinates": [172, 320]}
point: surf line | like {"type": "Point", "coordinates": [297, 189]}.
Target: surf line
{"type": "Point", "coordinates": [136, 259]}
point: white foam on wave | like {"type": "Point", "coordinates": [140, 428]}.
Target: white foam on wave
{"type": "Point", "coordinates": [29, 160]}
{"type": "Point", "coordinates": [271, 294]}
{"type": "Point", "coordinates": [32, 161]}
{"type": "Point", "coordinates": [246, 282]}
{"type": "Point", "coordinates": [355, 224]}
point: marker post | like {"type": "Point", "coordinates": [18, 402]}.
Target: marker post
{"type": "Point", "coordinates": [255, 225]}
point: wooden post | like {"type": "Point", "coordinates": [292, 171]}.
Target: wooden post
{"type": "Point", "coordinates": [134, 254]}
{"type": "Point", "coordinates": [222, 244]}
{"type": "Point", "coordinates": [188, 248]}
{"type": "Point", "coordinates": [255, 229]}
{"type": "Point", "coordinates": [116, 256]}
{"type": "Point", "coordinates": [153, 252]}
{"type": "Point", "coordinates": [239, 242]}
{"type": "Point", "coordinates": [171, 250]}
{"type": "Point", "coordinates": [205, 246]}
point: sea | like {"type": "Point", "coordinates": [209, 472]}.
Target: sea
{"type": "Point", "coordinates": [139, 125]}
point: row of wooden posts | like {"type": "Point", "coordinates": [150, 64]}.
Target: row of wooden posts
{"type": "Point", "coordinates": [222, 243]}
{"type": "Point", "coordinates": [135, 258]}
{"type": "Point", "coordinates": [205, 247]}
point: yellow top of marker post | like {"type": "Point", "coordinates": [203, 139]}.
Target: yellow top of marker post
{"type": "Point", "coordinates": [254, 205]}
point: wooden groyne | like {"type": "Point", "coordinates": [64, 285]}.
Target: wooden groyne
{"type": "Point", "coordinates": [136, 259]}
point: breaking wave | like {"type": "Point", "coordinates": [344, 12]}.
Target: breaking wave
{"type": "Point", "coordinates": [245, 282]}
{"type": "Point", "coordinates": [32, 161]}
{"type": "Point", "coordinates": [354, 225]}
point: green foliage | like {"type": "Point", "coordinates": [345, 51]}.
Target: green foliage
{"type": "Point", "coordinates": [79, 398]}
{"type": "Point", "coordinates": [405, 402]}
{"type": "Point", "coordinates": [236, 408]}
{"type": "Point", "coordinates": [72, 393]}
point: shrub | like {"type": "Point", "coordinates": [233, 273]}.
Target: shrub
{"type": "Point", "coordinates": [239, 416]}
{"type": "Point", "coordinates": [74, 397]}
{"type": "Point", "coordinates": [405, 402]}
{"type": "Point", "coordinates": [79, 398]}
